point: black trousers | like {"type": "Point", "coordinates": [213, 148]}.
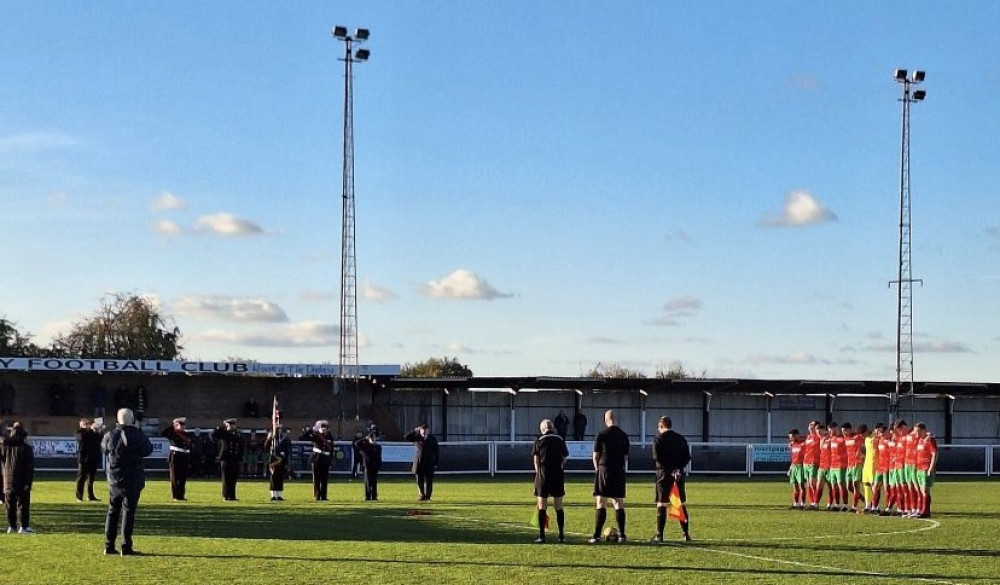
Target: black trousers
{"type": "Point", "coordinates": [371, 484]}
{"type": "Point", "coordinates": [278, 473]}
{"type": "Point", "coordinates": [121, 510]}
{"type": "Point", "coordinates": [179, 464]}
{"type": "Point", "coordinates": [230, 474]}
{"type": "Point", "coordinates": [86, 472]}
{"type": "Point", "coordinates": [321, 477]}
{"type": "Point", "coordinates": [425, 484]}
{"type": "Point", "coordinates": [18, 503]}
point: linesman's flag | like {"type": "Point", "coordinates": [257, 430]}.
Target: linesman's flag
{"type": "Point", "coordinates": [676, 510]}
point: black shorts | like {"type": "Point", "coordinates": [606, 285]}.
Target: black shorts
{"type": "Point", "coordinates": [663, 486]}
{"type": "Point", "coordinates": [550, 485]}
{"type": "Point", "coordinates": [609, 483]}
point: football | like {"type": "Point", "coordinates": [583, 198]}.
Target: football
{"type": "Point", "coordinates": [610, 534]}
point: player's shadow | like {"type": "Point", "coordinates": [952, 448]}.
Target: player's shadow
{"type": "Point", "coordinates": [286, 521]}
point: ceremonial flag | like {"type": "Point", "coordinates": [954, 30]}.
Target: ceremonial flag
{"type": "Point", "coordinates": [275, 414]}
{"type": "Point", "coordinates": [676, 510]}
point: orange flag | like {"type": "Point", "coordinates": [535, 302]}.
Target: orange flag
{"type": "Point", "coordinates": [676, 510]}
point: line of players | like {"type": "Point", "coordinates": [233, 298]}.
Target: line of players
{"type": "Point", "coordinates": [855, 467]}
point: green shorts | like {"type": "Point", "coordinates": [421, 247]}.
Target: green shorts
{"type": "Point", "coordinates": [879, 478]}
{"type": "Point", "coordinates": [810, 471]}
{"type": "Point", "coordinates": [796, 474]}
{"type": "Point", "coordinates": [895, 475]}
{"type": "Point", "coordinates": [854, 474]}
{"type": "Point", "coordinates": [910, 473]}
{"type": "Point", "coordinates": [835, 476]}
{"type": "Point", "coordinates": [925, 480]}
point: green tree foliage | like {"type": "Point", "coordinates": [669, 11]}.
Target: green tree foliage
{"type": "Point", "coordinates": [436, 368]}
{"type": "Point", "coordinates": [126, 326]}
{"type": "Point", "coordinates": [15, 343]}
{"type": "Point", "coordinates": [613, 370]}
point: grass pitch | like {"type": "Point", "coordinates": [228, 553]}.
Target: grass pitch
{"type": "Point", "coordinates": [476, 531]}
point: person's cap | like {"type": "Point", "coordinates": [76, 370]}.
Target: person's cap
{"type": "Point", "coordinates": [230, 421]}
{"type": "Point", "coordinates": [180, 420]}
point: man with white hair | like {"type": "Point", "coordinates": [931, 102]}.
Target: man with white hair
{"type": "Point", "coordinates": [549, 454]}
{"type": "Point", "coordinates": [125, 447]}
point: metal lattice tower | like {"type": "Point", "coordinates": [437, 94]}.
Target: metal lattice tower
{"type": "Point", "coordinates": [905, 280]}
{"type": "Point", "coordinates": [348, 373]}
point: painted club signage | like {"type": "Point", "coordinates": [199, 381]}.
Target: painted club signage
{"type": "Point", "coordinates": [184, 367]}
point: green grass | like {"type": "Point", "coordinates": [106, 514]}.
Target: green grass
{"type": "Point", "coordinates": [476, 532]}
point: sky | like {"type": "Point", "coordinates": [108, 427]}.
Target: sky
{"type": "Point", "coordinates": [541, 186]}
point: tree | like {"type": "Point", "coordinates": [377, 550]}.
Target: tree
{"type": "Point", "coordinates": [436, 368]}
{"type": "Point", "coordinates": [613, 370]}
{"type": "Point", "coordinates": [126, 326]}
{"type": "Point", "coordinates": [676, 371]}
{"type": "Point", "coordinates": [14, 343]}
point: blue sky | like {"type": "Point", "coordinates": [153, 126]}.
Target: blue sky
{"type": "Point", "coordinates": [541, 186]}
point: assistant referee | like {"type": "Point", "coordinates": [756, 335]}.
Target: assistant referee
{"type": "Point", "coordinates": [672, 455]}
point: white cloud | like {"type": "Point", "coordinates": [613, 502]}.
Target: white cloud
{"type": "Point", "coordinates": [800, 209]}
{"type": "Point", "coordinates": [239, 309]}
{"type": "Point", "coordinates": [936, 346]}
{"type": "Point", "coordinates": [376, 293]}
{"type": "Point", "coordinates": [33, 141]}
{"type": "Point", "coordinates": [685, 303]}
{"type": "Point", "coordinates": [457, 348]}
{"type": "Point", "coordinates": [304, 334]}
{"type": "Point", "coordinates": [462, 284]}
{"type": "Point", "coordinates": [167, 201]}
{"type": "Point", "coordinates": [799, 358]}
{"type": "Point", "coordinates": [318, 296]}
{"type": "Point", "coordinates": [227, 225]}
{"type": "Point", "coordinates": [167, 227]}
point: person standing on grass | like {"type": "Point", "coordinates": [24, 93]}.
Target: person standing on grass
{"type": "Point", "coordinates": [321, 458]}
{"type": "Point", "coordinates": [855, 445]}
{"type": "Point", "coordinates": [231, 449]}
{"type": "Point", "coordinates": [927, 459]}
{"type": "Point", "coordinates": [17, 462]}
{"type": "Point", "coordinates": [125, 447]}
{"type": "Point", "coordinates": [88, 458]}
{"type": "Point", "coordinates": [425, 459]}
{"type": "Point", "coordinates": [179, 460]}
{"type": "Point", "coordinates": [910, 441]}
{"type": "Point", "coordinates": [610, 460]}
{"type": "Point", "coordinates": [880, 477]}
{"type": "Point", "coordinates": [870, 464]}
{"type": "Point", "coordinates": [370, 454]}
{"type": "Point", "coordinates": [824, 467]}
{"type": "Point", "coordinates": [810, 463]}
{"type": "Point", "coordinates": [548, 456]}
{"type": "Point", "coordinates": [796, 473]}
{"type": "Point", "coordinates": [672, 455]}
{"type": "Point", "coordinates": [280, 449]}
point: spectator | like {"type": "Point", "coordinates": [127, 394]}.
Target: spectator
{"type": "Point", "coordinates": [579, 425]}
{"type": "Point", "coordinates": [141, 402]}
{"type": "Point", "coordinates": [55, 399]}
{"type": "Point", "coordinates": [7, 396]}
{"type": "Point", "coordinates": [99, 400]}
{"type": "Point", "coordinates": [121, 398]}
{"type": "Point", "coordinates": [562, 424]}
{"type": "Point", "coordinates": [17, 460]}
{"type": "Point", "coordinates": [251, 409]}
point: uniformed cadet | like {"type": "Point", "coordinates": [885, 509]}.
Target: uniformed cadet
{"type": "Point", "coordinates": [549, 455]}
{"type": "Point", "coordinates": [321, 457]}
{"type": "Point", "coordinates": [179, 460]}
{"type": "Point", "coordinates": [672, 455]}
{"type": "Point", "coordinates": [371, 462]}
{"type": "Point", "coordinates": [280, 457]}
{"type": "Point", "coordinates": [610, 458]}
{"type": "Point", "coordinates": [231, 449]}
{"type": "Point", "coordinates": [425, 459]}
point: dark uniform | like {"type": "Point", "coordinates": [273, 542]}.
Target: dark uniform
{"type": "Point", "coordinates": [280, 457]}
{"type": "Point", "coordinates": [425, 461]}
{"type": "Point", "coordinates": [180, 458]}
{"type": "Point", "coordinates": [125, 447]}
{"type": "Point", "coordinates": [320, 459]}
{"type": "Point", "coordinates": [231, 449]}
{"type": "Point", "coordinates": [371, 460]}
{"type": "Point", "coordinates": [549, 478]}
{"type": "Point", "coordinates": [611, 445]}
{"type": "Point", "coordinates": [671, 454]}
{"type": "Point", "coordinates": [17, 462]}
{"type": "Point", "coordinates": [88, 458]}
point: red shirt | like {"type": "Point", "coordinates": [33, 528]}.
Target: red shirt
{"type": "Point", "coordinates": [838, 453]}
{"type": "Point", "coordinates": [811, 450]}
{"type": "Point", "coordinates": [798, 452]}
{"type": "Point", "coordinates": [824, 453]}
{"type": "Point", "coordinates": [855, 449]}
{"type": "Point", "coordinates": [926, 448]}
{"type": "Point", "coordinates": [911, 441]}
{"type": "Point", "coordinates": [899, 452]}
{"type": "Point", "coordinates": [884, 450]}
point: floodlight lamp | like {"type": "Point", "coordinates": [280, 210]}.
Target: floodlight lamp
{"type": "Point", "coordinates": [918, 76]}
{"type": "Point", "coordinates": [919, 95]}
{"type": "Point", "coordinates": [361, 34]}
{"type": "Point", "coordinates": [900, 75]}
{"type": "Point", "coordinates": [340, 32]}
{"type": "Point", "coordinates": [362, 55]}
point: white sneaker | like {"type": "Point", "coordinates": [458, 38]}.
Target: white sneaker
{"type": "Point", "coordinates": [11, 530]}
{"type": "Point", "coordinates": [25, 530]}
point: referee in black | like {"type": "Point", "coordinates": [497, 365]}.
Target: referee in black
{"type": "Point", "coordinates": [610, 457]}
{"type": "Point", "coordinates": [672, 455]}
{"type": "Point", "coordinates": [549, 455]}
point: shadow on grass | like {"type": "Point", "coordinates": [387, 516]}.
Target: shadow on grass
{"type": "Point", "coordinates": [281, 522]}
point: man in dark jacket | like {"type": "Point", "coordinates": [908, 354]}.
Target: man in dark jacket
{"type": "Point", "coordinates": [88, 458]}
{"type": "Point", "coordinates": [17, 460]}
{"type": "Point", "coordinates": [579, 425]}
{"type": "Point", "coordinates": [672, 455]}
{"type": "Point", "coordinates": [371, 456]}
{"type": "Point", "coordinates": [425, 459]}
{"type": "Point", "coordinates": [231, 449]}
{"type": "Point", "coordinates": [125, 447]}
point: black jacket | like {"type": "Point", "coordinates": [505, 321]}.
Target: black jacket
{"type": "Point", "coordinates": [88, 446]}
{"type": "Point", "coordinates": [371, 454]}
{"type": "Point", "coordinates": [670, 452]}
{"type": "Point", "coordinates": [231, 445]}
{"type": "Point", "coordinates": [125, 447]}
{"type": "Point", "coordinates": [425, 457]}
{"type": "Point", "coordinates": [17, 459]}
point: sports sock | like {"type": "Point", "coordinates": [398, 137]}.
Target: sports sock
{"type": "Point", "coordinates": [687, 523]}
{"type": "Point", "coordinates": [927, 505]}
{"type": "Point", "coordinates": [661, 520]}
{"type": "Point", "coordinates": [560, 521]}
{"type": "Point", "coordinates": [620, 519]}
{"type": "Point", "coordinates": [542, 519]}
{"type": "Point", "coordinates": [600, 515]}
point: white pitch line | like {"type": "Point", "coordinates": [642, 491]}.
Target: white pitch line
{"type": "Point", "coordinates": [933, 524]}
